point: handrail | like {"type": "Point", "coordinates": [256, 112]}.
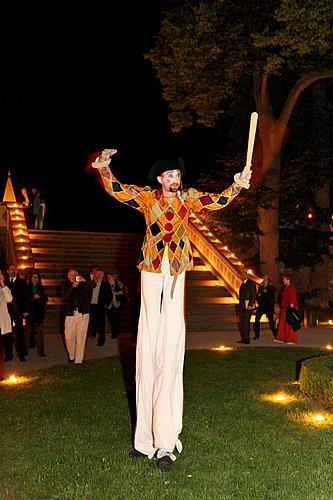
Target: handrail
{"type": "Point", "coordinates": [19, 234]}
{"type": "Point", "coordinates": [222, 261]}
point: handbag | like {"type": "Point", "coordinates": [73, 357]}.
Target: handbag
{"type": "Point", "coordinates": [293, 318]}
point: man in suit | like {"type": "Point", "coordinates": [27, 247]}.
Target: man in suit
{"type": "Point", "coordinates": [266, 302]}
{"type": "Point", "coordinates": [100, 297]}
{"type": "Point", "coordinates": [247, 299]}
{"type": "Point", "coordinates": [16, 309]}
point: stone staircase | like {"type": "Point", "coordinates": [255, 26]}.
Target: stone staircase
{"type": "Point", "coordinates": [209, 307]}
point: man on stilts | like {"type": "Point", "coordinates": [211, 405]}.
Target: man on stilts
{"type": "Point", "coordinates": [166, 255]}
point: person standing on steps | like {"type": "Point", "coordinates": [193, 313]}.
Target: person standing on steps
{"type": "Point", "coordinates": [166, 255]}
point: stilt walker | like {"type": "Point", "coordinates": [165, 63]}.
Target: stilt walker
{"type": "Point", "coordinates": [165, 256]}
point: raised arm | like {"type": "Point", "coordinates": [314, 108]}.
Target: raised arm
{"type": "Point", "coordinates": [129, 194]}
{"type": "Point", "coordinates": [217, 201]}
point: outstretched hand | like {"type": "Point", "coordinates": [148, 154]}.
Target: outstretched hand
{"type": "Point", "coordinates": [106, 154]}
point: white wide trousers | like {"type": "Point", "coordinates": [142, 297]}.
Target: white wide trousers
{"type": "Point", "coordinates": [159, 362]}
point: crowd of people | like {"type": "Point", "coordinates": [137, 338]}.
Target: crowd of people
{"type": "Point", "coordinates": [88, 300]}
{"type": "Point", "coordinates": [262, 301]}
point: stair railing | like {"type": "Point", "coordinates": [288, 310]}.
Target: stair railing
{"type": "Point", "coordinates": [223, 261]}
{"type": "Point", "coordinates": [19, 235]}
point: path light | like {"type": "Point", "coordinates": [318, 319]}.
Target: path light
{"type": "Point", "coordinates": [222, 348]}
{"type": "Point", "coordinates": [318, 419]}
{"type": "Point", "coordinates": [15, 380]}
{"type": "Point", "coordinates": [329, 347]}
{"type": "Point", "coordinates": [279, 397]}
{"type": "Point", "coordinates": [330, 321]}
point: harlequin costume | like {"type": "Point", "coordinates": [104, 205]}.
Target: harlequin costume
{"type": "Point", "coordinates": [165, 256]}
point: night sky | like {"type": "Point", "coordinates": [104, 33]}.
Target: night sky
{"type": "Point", "coordinates": [74, 80]}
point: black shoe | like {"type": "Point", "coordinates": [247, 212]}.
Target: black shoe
{"type": "Point", "coordinates": [71, 361]}
{"type": "Point", "coordinates": [243, 341]}
{"type": "Point", "coordinates": [22, 358]}
{"type": "Point", "coordinates": [134, 454]}
{"type": "Point", "coordinates": [165, 464]}
{"type": "Point", "coordinates": [8, 358]}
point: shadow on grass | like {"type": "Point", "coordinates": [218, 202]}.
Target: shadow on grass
{"type": "Point", "coordinates": [127, 360]}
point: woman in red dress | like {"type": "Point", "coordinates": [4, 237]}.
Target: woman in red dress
{"type": "Point", "coordinates": [285, 331]}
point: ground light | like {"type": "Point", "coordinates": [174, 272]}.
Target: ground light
{"type": "Point", "coordinates": [222, 348]}
{"type": "Point", "coordinates": [316, 419]}
{"type": "Point", "coordinates": [279, 397]}
{"type": "Point", "coordinates": [16, 380]}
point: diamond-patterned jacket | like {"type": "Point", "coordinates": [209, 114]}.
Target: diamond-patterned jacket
{"type": "Point", "coordinates": [166, 218]}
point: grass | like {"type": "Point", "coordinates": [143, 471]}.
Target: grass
{"type": "Point", "coordinates": [66, 433]}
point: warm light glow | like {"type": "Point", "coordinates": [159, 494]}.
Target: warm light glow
{"type": "Point", "coordinates": [13, 379]}
{"type": "Point", "coordinates": [24, 257]}
{"type": "Point", "coordinates": [217, 240]}
{"type": "Point", "coordinates": [239, 263]}
{"type": "Point", "coordinates": [22, 248]}
{"type": "Point", "coordinates": [279, 397]}
{"type": "Point", "coordinates": [21, 240]}
{"type": "Point", "coordinates": [15, 205]}
{"type": "Point", "coordinates": [222, 348]}
{"type": "Point", "coordinates": [317, 419]}
{"type": "Point", "coordinates": [210, 234]}
{"type": "Point", "coordinates": [204, 228]}
{"type": "Point", "coordinates": [330, 321]}
{"type": "Point", "coordinates": [329, 347]}
{"type": "Point", "coordinates": [232, 255]}
{"type": "Point", "coordinates": [23, 266]}
{"type": "Point", "coordinates": [250, 271]}
{"type": "Point", "coordinates": [225, 247]}
{"type": "Point", "coordinates": [198, 220]}
{"type": "Point", "coordinates": [309, 216]}
{"type": "Point", "coordinates": [216, 283]}
{"type": "Point", "coordinates": [17, 218]}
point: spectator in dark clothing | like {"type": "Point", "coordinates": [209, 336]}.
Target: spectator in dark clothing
{"type": "Point", "coordinates": [266, 302]}
{"type": "Point", "coordinates": [100, 297]}
{"type": "Point", "coordinates": [115, 306]}
{"type": "Point", "coordinates": [77, 309]}
{"type": "Point", "coordinates": [36, 303]}
{"type": "Point", "coordinates": [17, 310]}
{"type": "Point", "coordinates": [247, 299]}
{"type": "Point", "coordinates": [38, 208]}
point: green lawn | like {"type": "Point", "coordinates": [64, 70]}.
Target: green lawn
{"type": "Point", "coordinates": [66, 434]}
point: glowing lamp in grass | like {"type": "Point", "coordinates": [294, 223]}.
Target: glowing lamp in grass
{"type": "Point", "coordinates": [279, 397]}
{"type": "Point", "coordinates": [329, 347]}
{"type": "Point", "coordinates": [221, 348]}
{"type": "Point", "coordinates": [15, 380]}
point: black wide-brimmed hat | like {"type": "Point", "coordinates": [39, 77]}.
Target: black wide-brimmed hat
{"type": "Point", "coordinates": [161, 166]}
